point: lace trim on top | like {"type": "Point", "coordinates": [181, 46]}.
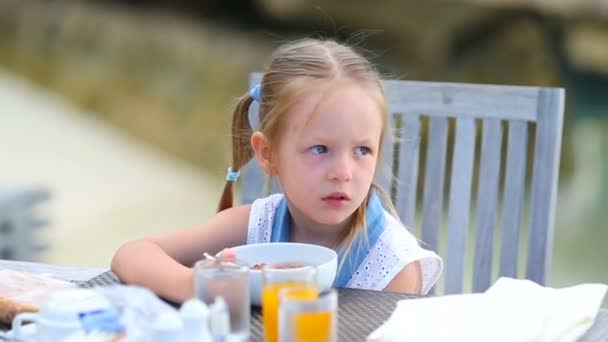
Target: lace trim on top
{"type": "Point", "coordinates": [395, 248]}
{"type": "Point", "coordinates": [261, 218]}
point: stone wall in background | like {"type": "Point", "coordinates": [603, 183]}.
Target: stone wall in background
{"type": "Point", "coordinates": [172, 79]}
{"type": "Point", "coordinates": [425, 32]}
{"type": "Point", "coordinates": [165, 79]}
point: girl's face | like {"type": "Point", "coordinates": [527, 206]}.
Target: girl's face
{"type": "Point", "coordinates": [327, 153]}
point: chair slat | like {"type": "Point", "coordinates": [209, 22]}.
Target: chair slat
{"type": "Point", "coordinates": [274, 186]}
{"type": "Point", "coordinates": [434, 181]}
{"type": "Point", "coordinates": [253, 178]}
{"type": "Point", "coordinates": [487, 197]}
{"type": "Point", "coordinates": [460, 196]}
{"type": "Point", "coordinates": [252, 185]}
{"type": "Point", "coordinates": [407, 179]}
{"type": "Point", "coordinates": [255, 78]}
{"type": "Point", "coordinates": [513, 197]}
{"type": "Point", "coordinates": [462, 100]}
{"type": "Point", "coordinates": [386, 173]}
{"type": "Point", "coordinates": [254, 114]}
{"type": "Point", "coordinates": [545, 172]}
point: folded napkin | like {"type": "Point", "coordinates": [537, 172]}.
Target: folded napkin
{"type": "Point", "coordinates": [511, 310]}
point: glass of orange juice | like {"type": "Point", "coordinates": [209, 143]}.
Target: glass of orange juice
{"type": "Point", "coordinates": [308, 319]}
{"type": "Point", "coordinates": [282, 276]}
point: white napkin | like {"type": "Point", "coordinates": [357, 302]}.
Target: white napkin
{"type": "Point", "coordinates": [511, 310]}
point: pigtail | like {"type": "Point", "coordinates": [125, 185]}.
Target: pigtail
{"type": "Point", "coordinates": [241, 146]}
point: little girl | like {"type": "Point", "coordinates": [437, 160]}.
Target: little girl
{"type": "Point", "coordinates": [323, 118]}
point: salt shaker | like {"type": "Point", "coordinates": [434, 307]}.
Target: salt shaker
{"type": "Point", "coordinates": [168, 327]}
{"type": "Point", "coordinates": [195, 316]}
{"type": "Point", "coordinates": [219, 320]}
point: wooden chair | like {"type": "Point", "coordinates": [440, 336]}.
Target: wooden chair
{"type": "Point", "coordinates": [522, 115]}
{"type": "Point", "coordinates": [20, 222]}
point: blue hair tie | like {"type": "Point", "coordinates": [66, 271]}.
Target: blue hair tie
{"type": "Point", "coordinates": [231, 176]}
{"type": "Point", "coordinates": [256, 93]}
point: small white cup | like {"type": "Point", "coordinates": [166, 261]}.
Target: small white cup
{"type": "Point", "coordinates": [58, 316]}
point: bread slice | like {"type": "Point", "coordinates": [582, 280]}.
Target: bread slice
{"type": "Point", "coordinates": [25, 292]}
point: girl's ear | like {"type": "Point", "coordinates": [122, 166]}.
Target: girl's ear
{"type": "Point", "coordinates": [263, 152]}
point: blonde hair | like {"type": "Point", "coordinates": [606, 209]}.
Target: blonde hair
{"type": "Point", "coordinates": [294, 71]}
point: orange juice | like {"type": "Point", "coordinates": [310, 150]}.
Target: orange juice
{"type": "Point", "coordinates": [270, 305]}
{"type": "Point", "coordinates": [313, 327]}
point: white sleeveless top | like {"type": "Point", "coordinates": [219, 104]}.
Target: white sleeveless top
{"type": "Point", "coordinates": [396, 247]}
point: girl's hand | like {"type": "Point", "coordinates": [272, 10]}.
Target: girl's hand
{"type": "Point", "coordinates": [227, 254]}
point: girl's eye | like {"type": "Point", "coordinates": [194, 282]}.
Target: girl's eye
{"type": "Point", "coordinates": [318, 149]}
{"type": "Point", "coordinates": [362, 150]}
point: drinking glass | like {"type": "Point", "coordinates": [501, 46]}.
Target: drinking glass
{"type": "Point", "coordinates": [229, 280]}
{"type": "Point", "coordinates": [307, 319]}
{"type": "Point", "coordinates": [276, 278]}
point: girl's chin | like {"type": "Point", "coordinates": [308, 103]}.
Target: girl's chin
{"type": "Point", "coordinates": [333, 220]}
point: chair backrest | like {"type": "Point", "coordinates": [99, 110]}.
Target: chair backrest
{"type": "Point", "coordinates": [520, 116]}
{"type": "Point", "coordinates": [20, 222]}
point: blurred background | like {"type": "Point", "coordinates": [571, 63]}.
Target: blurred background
{"type": "Point", "coordinates": [121, 109]}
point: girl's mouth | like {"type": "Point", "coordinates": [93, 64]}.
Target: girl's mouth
{"type": "Point", "coordinates": [336, 199]}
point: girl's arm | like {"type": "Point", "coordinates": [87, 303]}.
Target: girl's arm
{"type": "Point", "coordinates": [408, 280]}
{"type": "Point", "coordinates": [163, 263]}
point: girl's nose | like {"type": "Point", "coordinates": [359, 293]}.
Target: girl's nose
{"type": "Point", "coordinates": [341, 169]}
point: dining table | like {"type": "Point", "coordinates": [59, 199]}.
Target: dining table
{"type": "Point", "coordinates": [360, 312]}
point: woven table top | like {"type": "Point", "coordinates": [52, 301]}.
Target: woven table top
{"type": "Point", "coordinates": [359, 311]}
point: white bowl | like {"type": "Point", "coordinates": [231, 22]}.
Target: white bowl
{"type": "Point", "coordinates": [324, 259]}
